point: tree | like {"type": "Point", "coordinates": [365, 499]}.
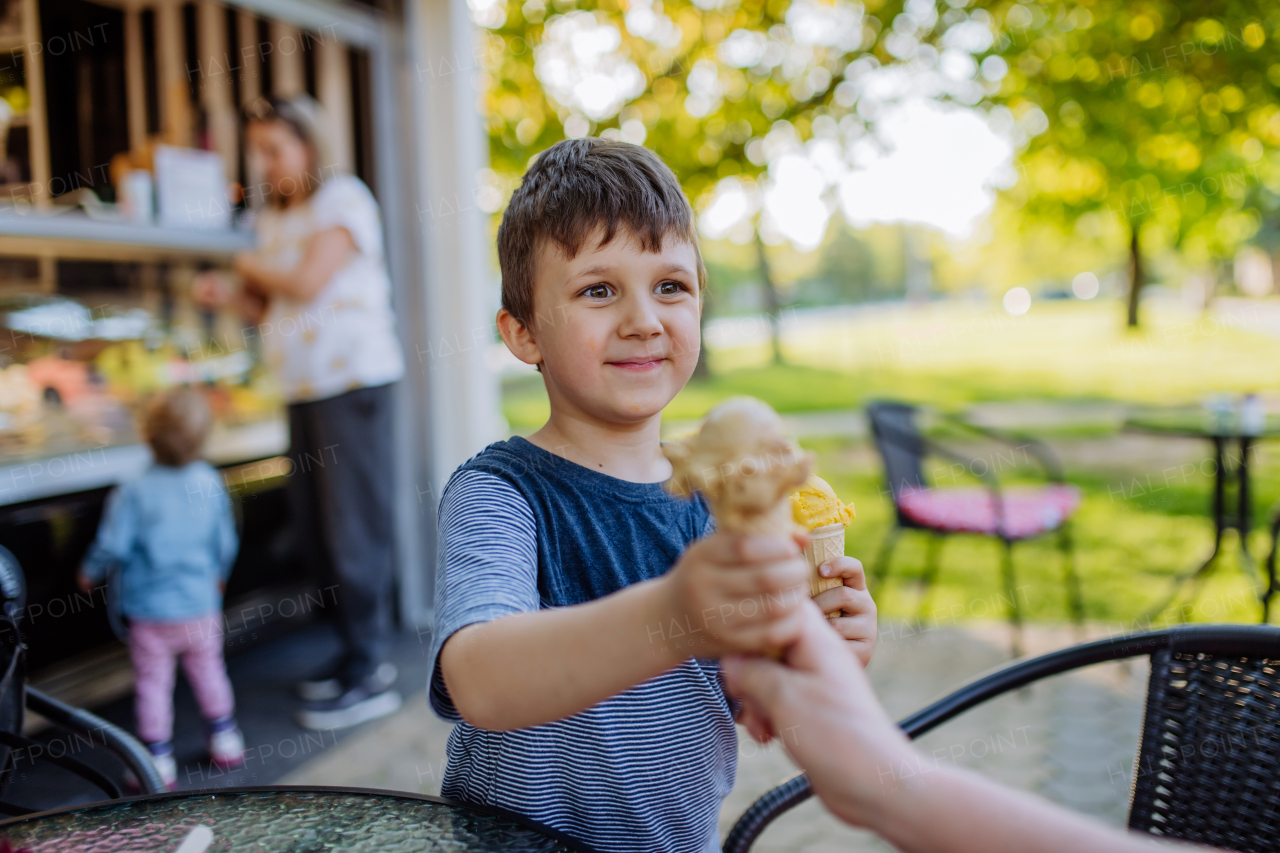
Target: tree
{"type": "Point", "coordinates": [701, 83]}
{"type": "Point", "coordinates": [1153, 115]}
{"type": "Point", "coordinates": [709, 85]}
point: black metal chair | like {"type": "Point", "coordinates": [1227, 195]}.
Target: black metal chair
{"type": "Point", "coordinates": [1272, 587]}
{"type": "Point", "coordinates": [1208, 762]}
{"type": "Point", "coordinates": [1009, 515]}
{"type": "Point", "coordinates": [17, 752]}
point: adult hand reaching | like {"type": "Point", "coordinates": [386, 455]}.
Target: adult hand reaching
{"type": "Point", "coordinates": [821, 706]}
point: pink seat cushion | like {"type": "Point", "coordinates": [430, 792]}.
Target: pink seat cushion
{"type": "Point", "coordinates": [1028, 511]}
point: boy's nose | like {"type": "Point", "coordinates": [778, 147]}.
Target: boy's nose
{"type": "Point", "coordinates": [639, 319]}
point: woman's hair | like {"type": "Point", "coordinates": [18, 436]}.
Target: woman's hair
{"type": "Point", "coordinates": [176, 425]}
{"type": "Point", "coordinates": [307, 120]}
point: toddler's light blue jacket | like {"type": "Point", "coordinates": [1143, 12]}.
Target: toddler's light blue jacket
{"type": "Point", "coordinates": [172, 534]}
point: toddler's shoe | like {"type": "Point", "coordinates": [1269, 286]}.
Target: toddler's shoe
{"type": "Point", "coordinates": [162, 758]}
{"type": "Point", "coordinates": [226, 746]}
{"type": "Point", "coordinates": [168, 770]}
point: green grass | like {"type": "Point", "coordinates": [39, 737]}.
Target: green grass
{"type": "Point", "coordinates": [1129, 542]}
{"type": "Point", "coordinates": [787, 389]}
{"type": "Point", "coordinates": [952, 355]}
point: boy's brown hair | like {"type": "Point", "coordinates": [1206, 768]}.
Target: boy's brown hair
{"type": "Point", "coordinates": [576, 186]}
{"type": "Point", "coordinates": [176, 425]}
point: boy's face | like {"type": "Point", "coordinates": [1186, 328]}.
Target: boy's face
{"type": "Point", "coordinates": [615, 327]}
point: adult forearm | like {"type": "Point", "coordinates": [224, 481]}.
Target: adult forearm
{"type": "Point", "coordinates": [326, 252]}
{"type": "Point", "coordinates": [271, 282]}
{"type": "Point", "coordinates": [532, 668]}
{"type": "Point", "coordinates": [956, 811]}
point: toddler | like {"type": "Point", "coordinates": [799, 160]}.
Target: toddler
{"type": "Point", "coordinates": [171, 537]}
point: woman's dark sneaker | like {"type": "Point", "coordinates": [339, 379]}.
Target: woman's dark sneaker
{"type": "Point", "coordinates": [356, 705]}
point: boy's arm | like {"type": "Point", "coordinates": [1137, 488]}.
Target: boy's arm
{"type": "Point", "coordinates": [518, 669]}
{"type": "Point", "coordinates": [531, 668]}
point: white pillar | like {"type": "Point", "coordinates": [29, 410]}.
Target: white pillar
{"type": "Point", "coordinates": [451, 321]}
{"type": "Point", "coordinates": [460, 281]}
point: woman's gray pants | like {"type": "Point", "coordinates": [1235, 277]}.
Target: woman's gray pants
{"type": "Point", "coordinates": [340, 501]}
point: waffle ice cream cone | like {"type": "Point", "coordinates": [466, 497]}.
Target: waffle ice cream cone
{"type": "Point", "coordinates": [816, 507]}
{"type": "Point", "coordinates": [825, 544]}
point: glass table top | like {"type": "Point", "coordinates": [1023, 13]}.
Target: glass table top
{"type": "Point", "coordinates": [280, 821]}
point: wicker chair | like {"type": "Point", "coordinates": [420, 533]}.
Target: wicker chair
{"type": "Point", "coordinates": [1208, 763]}
{"type": "Point", "coordinates": [1009, 515]}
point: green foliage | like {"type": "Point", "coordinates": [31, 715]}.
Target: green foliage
{"type": "Point", "coordinates": [1159, 118]}
{"type": "Point", "coordinates": [1156, 116]}
{"type": "Point", "coordinates": [702, 136]}
{"type": "Point", "coordinates": [851, 269]}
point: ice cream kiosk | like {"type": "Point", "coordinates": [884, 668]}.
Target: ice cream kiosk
{"type": "Point", "coordinates": [121, 179]}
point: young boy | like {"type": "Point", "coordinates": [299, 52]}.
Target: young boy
{"type": "Point", "coordinates": [571, 594]}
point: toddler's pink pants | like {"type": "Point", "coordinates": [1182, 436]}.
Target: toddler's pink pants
{"type": "Point", "coordinates": [154, 648]}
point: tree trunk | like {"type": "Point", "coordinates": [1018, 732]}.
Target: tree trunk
{"type": "Point", "coordinates": [1137, 275]}
{"type": "Point", "coordinates": [772, 302]}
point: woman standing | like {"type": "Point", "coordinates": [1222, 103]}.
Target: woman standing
{"type": "Point", "coordinates": [319, 290]}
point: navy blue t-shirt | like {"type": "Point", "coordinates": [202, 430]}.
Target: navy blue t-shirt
{"type": "Point", "coordinates": [646, 770]}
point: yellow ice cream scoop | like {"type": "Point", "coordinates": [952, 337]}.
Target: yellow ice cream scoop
{"type": "Point", "coordinates": [815, 505]}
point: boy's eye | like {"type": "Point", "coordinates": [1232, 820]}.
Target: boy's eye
{"type": "Point", "coordinates": [670, 288]}
{"type": "Point", "coordinates": [597, 291]}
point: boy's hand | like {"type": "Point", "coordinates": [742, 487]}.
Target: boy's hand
{"type": "Point", "coordinates": [755, 721]}
{"type": "Point", "coordinates": [83, 582]}
{"type": "Point", "coordinates": [744, 591]}
{"type": "Point", "coordinates": [857, 622]}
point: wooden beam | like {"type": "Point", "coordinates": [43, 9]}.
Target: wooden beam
{"type": "Point", "coordinates": [333, 85]}
{"type": "Point", "coordinates": [37, 113]}
{"type": "Point", "coordinates": [215, 70]}
{"type": "Point", "coordinates": [134, 82]}
{"type": "Point", "coordinates": [175, 97]}
{"type": "Point", "coordinates": [286, 60]}
{"type": "Point", "coordinates": [250, 58]}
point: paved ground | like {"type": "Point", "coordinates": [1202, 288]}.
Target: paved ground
{"type": "Point", "coordinates": [1071, 739]}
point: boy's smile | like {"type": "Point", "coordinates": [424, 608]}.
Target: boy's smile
{"type": "Point", "coordinates": [615, 328]}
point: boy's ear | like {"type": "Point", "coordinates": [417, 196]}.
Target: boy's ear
{"type": "Point", "coordinates": [518, 338]}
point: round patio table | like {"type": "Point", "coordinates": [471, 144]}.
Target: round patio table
{"type": "Point", "coordinates": [300, 819]}
{"type": "Point", "coordinates": [1230, 464]}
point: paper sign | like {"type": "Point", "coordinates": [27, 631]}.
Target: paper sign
{"type": "Point", "coordinates": [191, 188]}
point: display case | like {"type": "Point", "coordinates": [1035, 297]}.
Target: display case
{"type": "Point", "coordinates": [76, 367]}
